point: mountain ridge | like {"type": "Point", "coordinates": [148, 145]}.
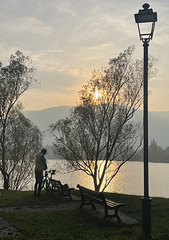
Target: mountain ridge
{"type": "Point", "coordinates": [158, 122]}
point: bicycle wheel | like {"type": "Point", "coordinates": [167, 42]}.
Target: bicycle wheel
{"type": "Point", "coordinates": [50, 189]}
{"type": "Point", "coordinates": [44, 181]}
{"type": "Point", "coordinates": [43, 184]}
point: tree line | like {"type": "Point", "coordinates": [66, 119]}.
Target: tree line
{"type": "Point", "coordinates": [156, 153]}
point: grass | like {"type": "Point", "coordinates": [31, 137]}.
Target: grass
{"type": "Point", "coordinates": [79, 224]}
{"type": "Point", "coordinates": [26, 198]}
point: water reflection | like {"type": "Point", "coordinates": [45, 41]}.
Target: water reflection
{"type": "Point", "coordinates": [74, 178]}
{"type": "Point", "coordinates": [129, 180]}
{"type": "Point", "coordinates": [123, 182]}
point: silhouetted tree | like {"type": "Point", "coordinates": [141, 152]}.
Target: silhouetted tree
{"type": "Point", "coordinates": [99, 136]}
{"type": "Point", "coordinates": [155, 152]}
{"type": "Point", "coordinates": [15, 79]}
{"type": "Point", "coordinates": [21, 144]}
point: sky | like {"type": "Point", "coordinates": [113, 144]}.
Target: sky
{"type": "Point", "coordinates": [68, 39]}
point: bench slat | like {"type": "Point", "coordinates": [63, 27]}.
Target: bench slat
{"type": "Point", "coordinates": [113, 204]}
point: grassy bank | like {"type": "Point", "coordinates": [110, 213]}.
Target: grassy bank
{"type": "Point", "coordinates": [80, 224]}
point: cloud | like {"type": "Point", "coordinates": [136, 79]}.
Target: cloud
{"type": "Point", "coordinates": [24, 24]}
{"type": "Point", "coordinates": [31, 25]}
{"type": "Point", "coordinates": [46, 99]}
{"type": "Point", "coordinates": [68, 39]}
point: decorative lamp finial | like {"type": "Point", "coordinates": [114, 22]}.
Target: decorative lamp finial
{"type": "Point", "coordinates": [146, 6]}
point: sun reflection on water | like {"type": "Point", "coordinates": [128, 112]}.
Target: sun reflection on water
{"type": "Point", "coordinates": [129, 180]}
{"type": "Point", "coordinates": [123, 182]}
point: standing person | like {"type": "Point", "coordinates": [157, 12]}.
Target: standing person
{"type": "Point", "coordinates": [40, 165]}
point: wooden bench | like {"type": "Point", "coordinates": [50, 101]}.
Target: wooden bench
{"type": "Point", "coordinates": [62, 189]}
{"type": "Point", "coordinates": [91, 197]}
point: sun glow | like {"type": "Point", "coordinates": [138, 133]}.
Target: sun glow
{"type": "Point", "coordinates": [97, 95]}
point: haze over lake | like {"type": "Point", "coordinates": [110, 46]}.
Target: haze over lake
{"type": "Point", "coordinates": [158, 122]}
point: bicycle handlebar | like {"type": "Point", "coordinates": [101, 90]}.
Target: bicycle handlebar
{"type": "Point", "coordinates": [52, 172]}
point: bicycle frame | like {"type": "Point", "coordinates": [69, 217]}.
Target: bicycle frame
{"type": "Point", "coordinates": [46, 183]}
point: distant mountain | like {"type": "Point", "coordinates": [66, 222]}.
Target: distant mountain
{"type": "Point", "coordinates": [43, 118]}
{"type": "Point", "coordinates": [158, 122]}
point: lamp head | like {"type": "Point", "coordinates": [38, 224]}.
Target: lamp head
{"type": "Point", "coordinates": [145, 20]}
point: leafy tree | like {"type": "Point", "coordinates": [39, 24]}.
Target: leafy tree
{"type": "Point", "coordinates": [15, 79]}
{"type": "Point", "coordinates": [22, 141]}
{"type": "Point", "coordinates": [99, 136]}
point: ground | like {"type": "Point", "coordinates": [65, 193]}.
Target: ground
{"type": "Point", "coordinates": [6, 229]}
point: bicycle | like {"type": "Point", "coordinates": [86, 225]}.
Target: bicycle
{"type": "Point", "coordinates": [47, 181]}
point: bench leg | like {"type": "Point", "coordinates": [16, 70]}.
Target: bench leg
{"type": "Point", "coordinates": [88, 203]}
{"type": "Point", "coordinates": [116, 215]}
{"type": "Point", "coordinates": [106, 213]}
{"type": "Point", "coordinates": [93, 206]}
{"type": "Point", "coordinates": [70, 196]}
{"type": "Point", "coordinates": [66, 193]}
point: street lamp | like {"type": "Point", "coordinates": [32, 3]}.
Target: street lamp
{"type": "Point", "coordinates": [145, 20]}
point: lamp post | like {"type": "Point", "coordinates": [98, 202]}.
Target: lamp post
{"type": "Point", "coordinates": [145, 20]}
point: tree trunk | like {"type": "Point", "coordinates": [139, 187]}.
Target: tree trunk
{"type": "Point", "coordinates": [97, 188]}
{"type": "Point", "coordinates": [6, 182]}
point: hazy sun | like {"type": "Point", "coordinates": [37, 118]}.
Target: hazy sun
{"type": "Point", "coordinates": [97, 95]}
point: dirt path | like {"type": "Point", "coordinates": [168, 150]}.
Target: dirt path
{"type": "Point", "coordinates": [62, 206]}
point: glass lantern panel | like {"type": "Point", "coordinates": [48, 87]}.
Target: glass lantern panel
{"type": "Point", "coordinates": [145, 29]}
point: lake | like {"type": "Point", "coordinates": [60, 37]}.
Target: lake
{"type": "Point", "coordinates": [129, 180]}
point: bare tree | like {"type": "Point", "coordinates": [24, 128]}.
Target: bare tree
{"type": "Point", "coordinates": [99, 136]}
{"type": "Point", "coordinates": [15, 79]}
{"type": "Point", "coordinates": [22, 141]}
